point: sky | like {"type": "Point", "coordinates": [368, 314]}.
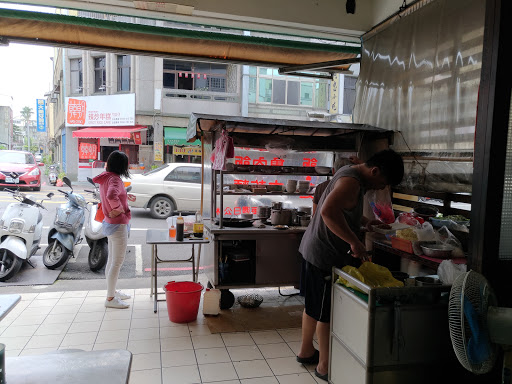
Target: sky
{"type": "Point", "coordinates": [26, 73]}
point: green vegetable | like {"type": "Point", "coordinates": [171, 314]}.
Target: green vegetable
{"type": "Point", "coordinates": [452, 217]}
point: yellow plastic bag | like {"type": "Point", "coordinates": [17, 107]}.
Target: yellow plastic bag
{"type": "Point", "coordinates": [354, 272]}
{"type": "Point", "coordinates": [378, 276]}
{"type": "Point", "coordinates": [373, 275]}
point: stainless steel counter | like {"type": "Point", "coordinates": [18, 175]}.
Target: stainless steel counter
{"type": "Point", "coordinates": [270, 256]}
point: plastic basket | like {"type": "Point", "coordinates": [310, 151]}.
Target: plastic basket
{"type": "Point", "coordinates": [401, 244]}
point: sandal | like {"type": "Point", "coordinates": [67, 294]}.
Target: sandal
{"type": "Point", "coordinates": [313, 359]}
{"type": "Point", "coordinates": [322, 377]}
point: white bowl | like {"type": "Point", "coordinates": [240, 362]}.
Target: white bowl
{"type": "Point", "coordinates": [322, 170]}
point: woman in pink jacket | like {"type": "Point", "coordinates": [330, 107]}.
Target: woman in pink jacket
{"type": "Point", "coordinates": [116, 224]}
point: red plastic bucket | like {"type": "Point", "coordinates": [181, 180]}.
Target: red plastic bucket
{"type": "Point", "coordinates": [183, 299]}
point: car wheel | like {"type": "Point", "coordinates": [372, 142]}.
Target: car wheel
{"type": "Point", "coordinates": [161, 207]}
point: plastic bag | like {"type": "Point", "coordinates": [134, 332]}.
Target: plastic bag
{"type": "Point", "coordinates": [380, 202]}
{"type": "Point", "coordinates": [371, 274]}
{"type": "Point", "coordinates": [354, 272]}
{"type": "Point", "coordinates": [224, 149]}
{"type": "Point", "coordinates": [425, 232]}
{"type": "Point", "coordinates": [409, 219]}
{"type": "Point", "coordinates": [448, 271]}
{"type": "Point", "coordinates": [445, 237]}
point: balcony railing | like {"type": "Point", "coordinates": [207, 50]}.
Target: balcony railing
{"type": "Point", "coordinates": [201, 95]}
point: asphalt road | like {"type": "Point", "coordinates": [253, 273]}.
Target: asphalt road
{"type": "Point", "coordinates": [137, 263]}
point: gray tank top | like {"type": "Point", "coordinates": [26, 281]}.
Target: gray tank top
{"type": "Point", "coordinates": [319, 245]}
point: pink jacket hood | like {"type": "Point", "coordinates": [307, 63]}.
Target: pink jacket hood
{"type": "Point", "coordinates": [113, 196]}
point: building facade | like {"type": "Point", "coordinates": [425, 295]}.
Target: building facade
{"type": "Point", "coordinates": [166, 91]}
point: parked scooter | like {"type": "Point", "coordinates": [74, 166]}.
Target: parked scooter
{"type": "Point", "coordinates": [21, 227]}
{"type": "Point", "coordinates": [66, 229]}
{"type": "Point", "coordinates": [94, 236]}
{"type": "Point", "coordinates": [98, 242]}
{"type": "Point", "coordinates": [53, 173]}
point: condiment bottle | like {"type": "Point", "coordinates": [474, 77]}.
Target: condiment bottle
{"type": "Point", "coordinates": [172, 231]}
{"type": "Point", "coordinates": [180, 226]}
{"type": "Point", "coordinates": [198, 225]}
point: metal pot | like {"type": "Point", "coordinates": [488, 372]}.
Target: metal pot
{"type": "Point", "coordinates": [281, 217]}
{"type": "Point", "coordinates": [305, 209]}
{"type": "Point", "coordinates": [277, 205]}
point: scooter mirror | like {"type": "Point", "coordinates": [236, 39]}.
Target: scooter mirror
{"type": "Point", "coordinates": [90, 181]}
{"type": "Point", "coordinates": [50, 195]}
{"type": "Point", "coordinates": [67, 181]}
{"type": "Point", "coordinates": [128, 189]}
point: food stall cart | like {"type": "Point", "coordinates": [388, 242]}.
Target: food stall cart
{"type": "Point", "coordinates": [243, 255]}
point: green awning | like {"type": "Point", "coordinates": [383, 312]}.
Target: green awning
{"type": "Point", "coordinates": [177, 136]}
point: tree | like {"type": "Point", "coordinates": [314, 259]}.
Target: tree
{"type": "Point", "coordinates": [26, 113]}
{"type": "Point", "coordinates": [17, 133]}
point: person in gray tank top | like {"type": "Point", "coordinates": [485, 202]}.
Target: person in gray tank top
{"type": "Point", "coordinates": [332, 240]}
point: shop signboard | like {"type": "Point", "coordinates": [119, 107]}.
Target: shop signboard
{"type": "Point", "coordinates": [334, 95]}
{"type": "Point", "coordinates": [177, 136]}
{"type": "Point", "coordinates": [159, 149]}
{"type": "Point", "coordinates": [87, 151]}
{"type": "Point", "coordinates": [186, 151]}
{"type": "Point", "coordinates": [41, 115]}
{"type": "Point", "coordinates": [137, 139]}
{"type": "Point", "coordinates": [101, 111]}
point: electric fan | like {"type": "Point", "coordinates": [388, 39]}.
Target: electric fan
{"type": "Point", "coordinates": [477, 325]}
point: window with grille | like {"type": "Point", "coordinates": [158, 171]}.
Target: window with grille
{"type": "Point", "coordinates": [195, 76]}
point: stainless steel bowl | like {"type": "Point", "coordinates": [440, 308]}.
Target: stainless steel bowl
{"type": "Point", "coordinates": [438, 251]}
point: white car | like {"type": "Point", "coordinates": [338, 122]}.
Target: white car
{"type": "Point", "coordinates": [166, 189]}
{"type": "Point", "coordinates": [176, 187]}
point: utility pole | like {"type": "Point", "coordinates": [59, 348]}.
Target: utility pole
{"type": "Point", "coordinates": [28, 135]}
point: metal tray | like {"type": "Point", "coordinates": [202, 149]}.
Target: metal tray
{"type": "Point", "coordinates": [438, 251]}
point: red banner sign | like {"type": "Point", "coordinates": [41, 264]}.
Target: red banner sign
{"type": "Point", "coordinates": [88, 151]}
{"type": "Point", "coordinates": [137, 138]}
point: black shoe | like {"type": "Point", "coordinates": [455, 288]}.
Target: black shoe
{"type": "Point", "coordinates": [313, 359]}
{"type": "Point", "coordinates": [323, 377]}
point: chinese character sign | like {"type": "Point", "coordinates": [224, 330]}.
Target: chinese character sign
{"type": "Point", "coordinates": [41, 115]}
{"type": "Point", "coordinates": [100, 111]}
{"type": "Point", "coordinates": [87, 151]}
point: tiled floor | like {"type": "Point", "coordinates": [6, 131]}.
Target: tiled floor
{"type": "Point", "coordinates": [163, 352]}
